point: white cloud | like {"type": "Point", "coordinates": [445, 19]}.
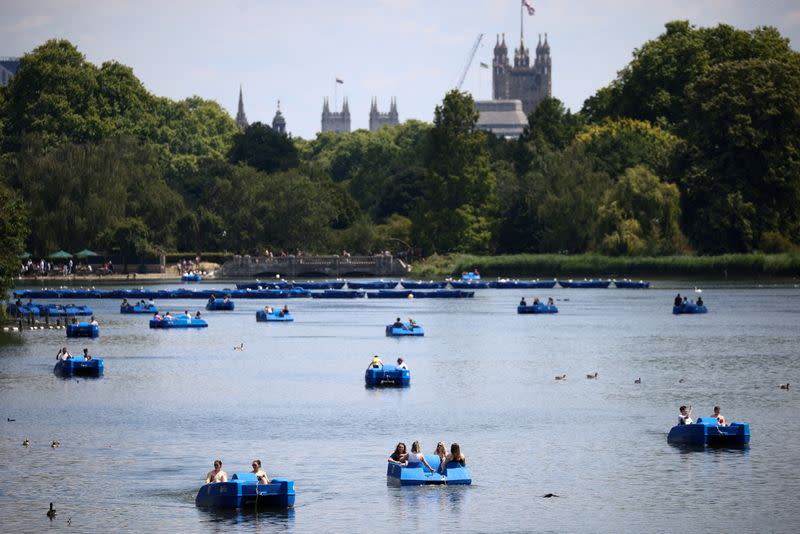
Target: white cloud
{"type": "Point", "coordinates": [30, 22]}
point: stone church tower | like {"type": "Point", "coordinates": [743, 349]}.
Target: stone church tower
{"type": "Point", "coordinates": [524, 82]}
{"type": "Point", "coordinates": [241, 118]}
{"type": "Point", "coordinates": [336, 121]}
{"type": "Point", "coordinates": [377, 120]}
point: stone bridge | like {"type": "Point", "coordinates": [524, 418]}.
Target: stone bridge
{"type": "Point", "coordinates": [314, 266]}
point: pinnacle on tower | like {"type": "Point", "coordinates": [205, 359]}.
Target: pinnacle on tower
{"type": "Point", "coordinates": [241, 118]}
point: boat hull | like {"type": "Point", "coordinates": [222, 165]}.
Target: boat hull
{"type": "Point", "coordinates": [405, 330]}
{"type": "Point", "coordinates": [707, 432]}
{"type": "Point", "coordinates": [245, 492]}
{"type": "Point", "coordinates": [220, 305]}
{"type": "Point", "coordinates": [419, 475]}
{"type": "Point", "coordinates": [79, 367]}
{"type": "Point", "coordinates": [537, 308]}
{"type": "Point", "coordinates": [387, 375]}
{"type": "Point", "coordinates": [275, 316]}
{"type": "Point", "coordinates": [689, 308]}
{"type": "Point", "coordinates": [83, 330]}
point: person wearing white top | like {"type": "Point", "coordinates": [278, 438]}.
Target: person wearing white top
{"type": "Point", "coordinates": [685, 416]}
{"type": "Point", "coordinates": [401, 364]}
{"type": "Point", "coordinates": [416, 457]}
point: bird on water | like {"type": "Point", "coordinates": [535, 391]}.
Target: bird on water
{"type": "Point", "coordinates": [561, 377]}
{"type": "Point", "coordinates": [593, 375]}
{"type": "Point", "coordinates": [51, 513]}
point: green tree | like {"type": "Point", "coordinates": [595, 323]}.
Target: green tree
{"type": "Point", "coordinates": [618, 145]}
{"type": "Point", "coordinates": [78, 191]}
{"type": "Point", "coordinates": [457, 209]}
{"type": "Point", "coordinates": [652, 87]}
{"type": "Point", "coordinates": [13, 231]}
{"type": "Point", "coordinates": [639, 215]}
{"type": "Point", "coordinates": [564, 194]}
{"type": "Point", "coordinates": [264, 149]}
{"type": "Point", "coordinates": [53, 94]}
{"type": "Point", "coordinates": [742, 176]}
{"type": "Point", "coordinates": [128, 237]}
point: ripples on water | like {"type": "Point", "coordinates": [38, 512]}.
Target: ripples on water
{"type": "Point", "coordinates": [137, 443]}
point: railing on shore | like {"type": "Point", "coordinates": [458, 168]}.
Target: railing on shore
{"type": "Point", "coordinates": [309, 266]}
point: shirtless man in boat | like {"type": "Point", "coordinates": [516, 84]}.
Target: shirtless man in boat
{"type": "Point", "coordinates": [217, 474]}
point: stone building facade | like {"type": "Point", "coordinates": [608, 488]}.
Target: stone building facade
{"type": "Point", "coordinates": [336, 121]}
{"type": "Point", "coordinates": [522, 81]}
{"type": "Point", "coordinates": [378, 120]}
{"type": "Point", "coordinates": [504, 118]}
{"type": "Point", "coordinates": [8, 68]}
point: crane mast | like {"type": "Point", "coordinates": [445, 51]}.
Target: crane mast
{"type": "Point", "coordinates": [469, 60]}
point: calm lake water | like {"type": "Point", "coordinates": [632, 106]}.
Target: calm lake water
{"type": "Point", "coordinates": [136, 444]}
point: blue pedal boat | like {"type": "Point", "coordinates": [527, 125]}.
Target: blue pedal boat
{"type": "Point", "coordinates": [419, 475]}
{"type": "Point", "coordinates": [79, 367]}
{"type": "Point", "coordinates": [538, 308]}
{"type": "Point", "coordinates": [181, 321]}
{"type": "Point", "coordinates": [468, 284]}
{"type": "Point", "coordinates": [707, 432]}
{"type": "Point", "coordinates": [276, 315]}
{"type": "Point", "coordinates": [523, 284]}
{"type": "Point", "coordinates": [83, 330]}
{"type": "Point", "coordinates": [338, 294]}
{"type": "Point", "coordinates": [689, 307]}
{"type": "Point", "coordinates": [405, 330]}
{"type": "Point", "coordinates": [138, 308]}
{"type": "Point", "coordinates": [630, 284]}
{"type": "Point", "coordinates": [190, 277]}
{"type": "Point", "coordinates": [244, 491]}
{"type": "Point", "coordinates": [585, 284]}
{"type": "Point", "coordinates": [380, 284]}
{"type": "Point", "coordinates": [387, 375]}
{"type": "Point", "coordinates": [414, 284]}
{"type": "Point", "coordinates": [220, 305]}
{"type": "Point", "coordinates": [56, 310]}
{"type": "Point", "coordinates": [24, 309]}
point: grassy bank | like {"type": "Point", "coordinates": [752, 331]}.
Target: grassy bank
{"type": "Point", "coordinates": [592, 265]}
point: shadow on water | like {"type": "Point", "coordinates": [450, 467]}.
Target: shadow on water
{"type": "Point", "coordinates": [247, 516]}
{"type": "Point", "coordinates": [684, 449]}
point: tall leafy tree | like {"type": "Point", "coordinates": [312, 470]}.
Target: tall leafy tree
{"type": "Point", "coordinates": [264, 149]}
{"type": "Point", "coordinates": [457, 209]}
{"type": "Point", "coordinates": [743, 169]}
{"type": "Point", "coordinates": [640, 214]}
{"type": "Point", "coordinates": [13, 231]}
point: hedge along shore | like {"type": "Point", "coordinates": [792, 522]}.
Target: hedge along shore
{"type": "Point", "coordinates": [593, 265]}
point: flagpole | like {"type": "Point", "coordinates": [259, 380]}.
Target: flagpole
{"type": "Point", "coordinates": [521, 35]}
{"type": "Point", "coordinates": [335, 95]}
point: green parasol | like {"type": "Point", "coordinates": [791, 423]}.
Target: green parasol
{"type": "Point", "coordinates": [25, 255]}
{"type": "Point", "coordinates": [85, 253]}
{"type": "Point", "coordinates": [60, 255]}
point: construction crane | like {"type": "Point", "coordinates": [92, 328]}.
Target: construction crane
{"type": "Point", "coordinates": [469, 60]}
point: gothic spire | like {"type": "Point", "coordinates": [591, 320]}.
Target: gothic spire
{"type": "Point", "coordinates": [241, 118]}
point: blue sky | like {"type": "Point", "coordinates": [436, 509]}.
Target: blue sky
{"type": "Point", "coordinates": [412, 49]}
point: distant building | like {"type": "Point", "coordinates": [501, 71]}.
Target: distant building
{"type": "Point", "coordinates": [241, 118]}
{"type": "Point", "coordinates": [504, 118]}
{"type": "Point", "coordinates": [529, 84]}
{"type": "Point", "coordinates": [377, 120]}
{"type": "Point", "coordinates": [336, 121]}
{"type": "Point", "coordinates": [8, 68]}
{"type": "Point", "coordinates": [278, 122]}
